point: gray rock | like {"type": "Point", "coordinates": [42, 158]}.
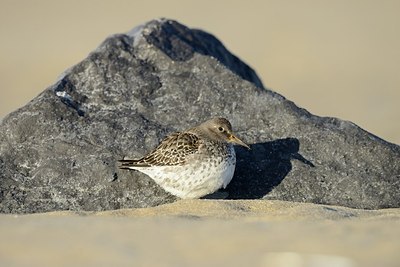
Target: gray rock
{"type": "Point", "coordinates": [59, 152]}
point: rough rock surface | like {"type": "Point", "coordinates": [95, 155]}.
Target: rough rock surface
{"type": "Point", "coordinates": [59, 151]}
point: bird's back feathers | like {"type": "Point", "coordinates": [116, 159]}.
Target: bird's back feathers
{"type": "Point", "coordinates": [173, 150]}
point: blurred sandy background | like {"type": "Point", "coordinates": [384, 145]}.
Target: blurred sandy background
{"type": "Point", "coordinates": [334, 58]}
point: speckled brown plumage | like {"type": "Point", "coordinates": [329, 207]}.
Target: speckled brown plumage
{"type": "Point", "coordinates": [173, 150]}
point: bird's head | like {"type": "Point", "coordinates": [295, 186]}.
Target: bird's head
{"type": "Point", "coordinates": [220, 129]}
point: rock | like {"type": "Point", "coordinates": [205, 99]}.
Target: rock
{"type": "Point", "coordinates": [59, 152]}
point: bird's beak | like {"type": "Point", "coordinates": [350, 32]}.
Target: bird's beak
{"type": "Point", "coordinates": [235, 140]}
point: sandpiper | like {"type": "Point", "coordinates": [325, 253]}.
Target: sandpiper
{"type": "Point", "coordinates": [193, 163]}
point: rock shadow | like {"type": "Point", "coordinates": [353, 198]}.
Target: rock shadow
{"type": "Point", "coordinates": [263, 167]}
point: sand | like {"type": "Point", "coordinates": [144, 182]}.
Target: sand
{"type": "Point", "coordinates": [205, 233]}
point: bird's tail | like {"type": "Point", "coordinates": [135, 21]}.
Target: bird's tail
{"type": "Point", "coordinates": [129, 163]}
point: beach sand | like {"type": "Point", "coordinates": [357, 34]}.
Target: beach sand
{"type": "Point", "coordinates": [205, 233]}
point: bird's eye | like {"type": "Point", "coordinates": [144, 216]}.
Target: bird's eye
{"type": "Point", "coordinates": [220, 129]}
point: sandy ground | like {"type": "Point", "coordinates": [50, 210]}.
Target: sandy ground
{"type": "Point", "coordinates": [334, 58]}
{"type": "Point", "coordinates": [205, 233]}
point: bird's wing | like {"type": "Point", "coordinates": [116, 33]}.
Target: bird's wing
{"type": "Point", "coordinates": [173, 150]}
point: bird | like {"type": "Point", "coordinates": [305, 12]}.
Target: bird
{"type": "Point", "coordinates": [192, 163]}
